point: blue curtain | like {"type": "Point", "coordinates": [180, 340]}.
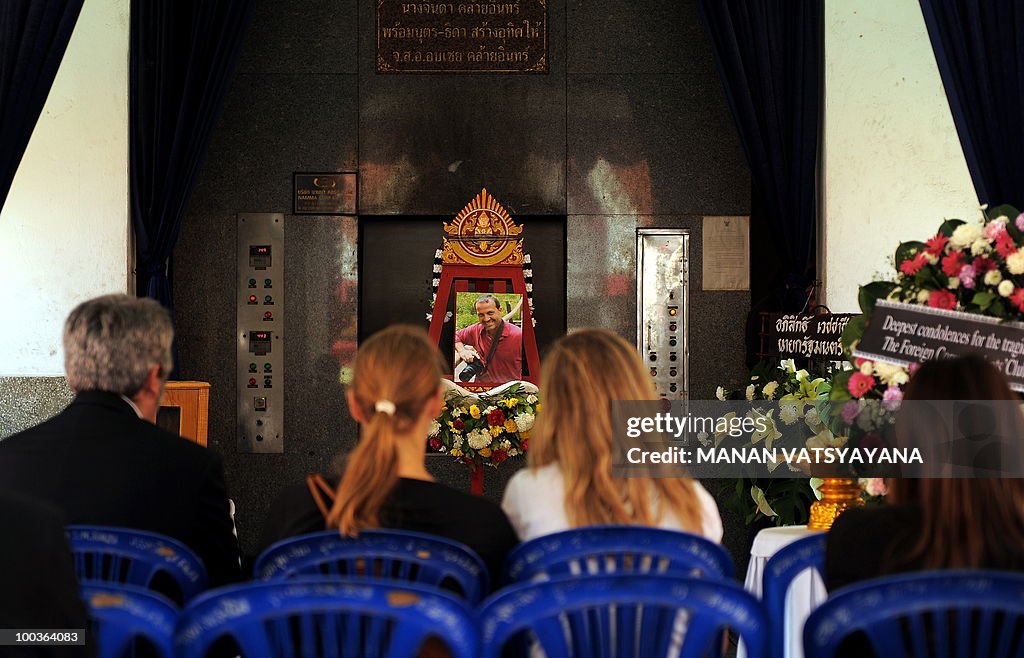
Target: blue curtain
{"type": "Point", "coordinates": [770, 56]}
{"type": "Point", "coordinates": [979, 47]}
{"type": "Point", "coordinates": [33, 37]}
{"type": "Point", "coordinates": [182, 55]}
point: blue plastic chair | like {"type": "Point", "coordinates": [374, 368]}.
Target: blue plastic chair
{"type": "Point", "coordinates": [948, 614]}
{"type": "Point", "coordinates": [378, 555]}
{"type": "Point", "coordinates": [617, 549]}
{"type": "Point", "coordinates": [121, 616]}
{"type": "Point", "coordinates": [327, 619]}
{"type": "Point", "coordinates": [781, 569]}
{"type": "Point", "coordinates": [624, 616]}
{"type": "Point", "coordinates": [147, 559]}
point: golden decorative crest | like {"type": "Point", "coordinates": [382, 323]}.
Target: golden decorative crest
{"type": "Point", "coordinates": [482, 234]}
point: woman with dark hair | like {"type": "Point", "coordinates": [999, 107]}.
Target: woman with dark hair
{"type": "Point", "coordinates": [395, 394]}
{"type": "Point", "coordinates": [938, 523]}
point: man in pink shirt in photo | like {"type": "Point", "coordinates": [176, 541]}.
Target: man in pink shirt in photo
{"type": "Point", "coordinates": [487, 360]}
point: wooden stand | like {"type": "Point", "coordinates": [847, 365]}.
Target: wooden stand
{"type": "Point", "coordinates": [489, 259]}
{"type": "Point", "coordinates": [191, 402]}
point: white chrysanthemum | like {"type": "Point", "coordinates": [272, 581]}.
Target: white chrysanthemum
{"type": "Point", "coordinates": [891, 375]}
{"type": "Point", "coordinates": [478, 439]}
{"type": "Point", "coordinates": [1006, 287]}
{"type": "Point", "coordinates": [866, 366]}
{"type": "Point", "coordinates": [1015, 262]}
{"type": "Point", "coordinates": [812, 418]}
{"type": "Point", "coordinates": [981, 246]}
{"type": "Point", "coordinates": [457, 441]}
{"type": "Point", "coordinates": [531, 399]}
{"type": "Point", "coordinates": [964, 235]}
{"type": "Point", "coordinates": [505, 445]}
{"type": "Point", "coordinates": [769, 390]}
{"type": "Point", "coordinates": [993, 277]}
{"type": "Point", "coordinates": [922, 296]}
{"type": "Point", "coordinates": [954, 282]}
{"type": "Point", "coordinates": [435, 427]}
{"type": "Point", "coordinates": [789, 411]}
{"type": "Point", "coordinates": [720, 393]}
{"type": "Point", "coordinates": [750, 392]}
{"type": "Point", "coordinates": [512, 452]}
{"type": "Point", "coordinates": [524, 421]}
{"type": "Point", "coordinates": [456, 412]}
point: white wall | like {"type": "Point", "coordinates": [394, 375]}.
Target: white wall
{"type": "Point", "coordinates": [64, 229]}
{"type": "Point", "coordinates": [894, 168]}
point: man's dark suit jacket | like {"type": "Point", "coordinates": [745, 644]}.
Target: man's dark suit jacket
{"type": "Point", "coordinates": [101, 464]}
{"type": "Point", "coordinates": [38, 589]}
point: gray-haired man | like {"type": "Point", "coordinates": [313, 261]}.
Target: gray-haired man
{"type": "Point", "coordinates": [102, 460]}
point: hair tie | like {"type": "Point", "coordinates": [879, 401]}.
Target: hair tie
{"type": "Point", "coordinates": [385, 406]}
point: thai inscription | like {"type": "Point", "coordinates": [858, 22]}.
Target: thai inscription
{"type": "Point", "coordinates": [462, 37]}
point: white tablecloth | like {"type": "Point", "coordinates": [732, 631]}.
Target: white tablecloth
{"type": "Point", "coordinates": [806, 592]}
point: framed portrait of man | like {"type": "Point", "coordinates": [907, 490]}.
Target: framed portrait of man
{"type": "Point", "coordinates": [488, 338]}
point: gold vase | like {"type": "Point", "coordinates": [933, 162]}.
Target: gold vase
{"type": "Point", "coordinates": [837, 496]}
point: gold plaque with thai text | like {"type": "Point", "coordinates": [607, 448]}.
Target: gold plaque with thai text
{"type": "Point", "coordinates": [462, 37]}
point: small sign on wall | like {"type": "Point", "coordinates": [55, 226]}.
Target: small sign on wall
{"type": "Point", "coordinates": [324, 194]}
{"type": "Point", "coordinates": [726, 247]}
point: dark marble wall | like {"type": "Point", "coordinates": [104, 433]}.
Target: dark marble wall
{"type": "Point", "coordinates": [630, 128]}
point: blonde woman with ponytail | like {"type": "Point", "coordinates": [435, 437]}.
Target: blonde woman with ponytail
{"type": "Point", "coordinates": [569, 481]}
{"type": "Point", "coordinates": [395, 394]}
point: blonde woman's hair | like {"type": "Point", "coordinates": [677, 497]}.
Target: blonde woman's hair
{"type": "Point", "coordinates": [581, 376]}
{"type": "Point", "coordinates": [400, 365]}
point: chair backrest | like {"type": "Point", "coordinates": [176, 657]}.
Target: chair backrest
{"type": "Point", "coordinates": [147, 559]}
{"type": "Point", "coordinates": [623, 616]}
{"type": "Point", "coordinates": [949, 614]}
{"type": "Point", "coordinates": [378, 555]}
{"type": "Point", "coordinates": [122, 615]}
{"type": "Point", "coordinates": [617, 549]}
{"type": "Point", "coordinates": [779, 572]}
{"type": "Point", "coordinates": [328, 619]}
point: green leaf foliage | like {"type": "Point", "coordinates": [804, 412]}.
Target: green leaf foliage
{"type": "Point", "coordinates": [868, 295]}
{"type": "Point", "coordinates": [1004, 209]}
{"type": "Point", "coordinates": [840, 382]}
{"type": "Point", "coordinates": [983, 299]}
{"type": "Point", "coordinates": [854, 330]}
{"type": "Point", "coordinates": [907, 250]}
{"type": "Point", "coordinates": [949, 226]}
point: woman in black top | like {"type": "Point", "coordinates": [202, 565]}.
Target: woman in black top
{"type": "Point", "coordinates": [937, 523]}
{"type": "Point", "coordinates": [395, 394]}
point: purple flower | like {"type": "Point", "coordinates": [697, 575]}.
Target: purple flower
{"type": "Point", "coordinates": [892, 397]}
{"type": "Point", "coordinates": [1020, 221]}
{"type": "Point", "coordinates": [967, 274]}
{"type": "Point", "coordinates": [850, 411]}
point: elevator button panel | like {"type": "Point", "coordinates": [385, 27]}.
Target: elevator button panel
{"type": "Point", "coordinates": [260, 308]}
{"type": "Point", "coordinates": [662, 257]}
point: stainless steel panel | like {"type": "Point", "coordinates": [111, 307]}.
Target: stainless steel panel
{"type": "Point", "coordinates": [663, 310]}
{"type": "Point", "coordinates": [260, 332]}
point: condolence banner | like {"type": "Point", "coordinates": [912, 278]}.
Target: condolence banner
{"type": "Point", "coordinates": [804, 438]}
{"type": "Point", "coordinates": [904, 334]}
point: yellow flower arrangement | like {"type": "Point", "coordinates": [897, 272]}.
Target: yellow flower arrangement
{"type": "Point", "coordinates": [484, 430]}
